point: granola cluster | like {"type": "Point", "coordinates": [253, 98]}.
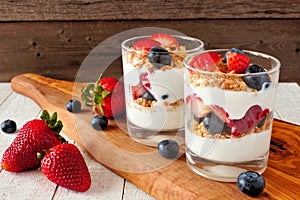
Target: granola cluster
{"type": "Point", "coordinates": [220, 80]}
{"type": "Point", "coordinates": [145, 102]}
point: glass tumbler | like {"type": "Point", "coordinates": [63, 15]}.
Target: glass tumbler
{"type": "Point", "coordinates": [229, 99]}
{"type": "Point", "coordinates": [153, 80]}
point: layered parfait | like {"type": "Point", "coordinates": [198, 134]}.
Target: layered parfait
{"type": "Point", "coordinates": [153, 77]}
{"type": "Point", "coordinates": [230, 97]}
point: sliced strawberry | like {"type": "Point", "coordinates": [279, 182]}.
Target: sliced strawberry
{"type": "Point", "coordinates": [222, 114]}
{"type": "Point", "coordinates": [237, 62]}
{"type": "Point", "coordinates": [249, 121]}
{"type": "Point", "coordinates": [206, 61]}
{"type": "Point", "coordinates": [165, 40]}
{"type": "Point", "coordinates": [198, 108]}
{"type": "Point", "coordinates": [145, 81]}
{"type": "Point", "coordinates": [137, 91]}
{"type": "Point", "coordinates": [145, 45]}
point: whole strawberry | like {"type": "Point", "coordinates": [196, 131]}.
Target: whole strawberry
{"type": "Point", "coordinates": [35, 136]}
{"type": "Point", "coordinates": [237, 61]}
{"type": "Point", "coordinates": [107, 97]}
{"type": "Point", "coordinates": [65, 166]}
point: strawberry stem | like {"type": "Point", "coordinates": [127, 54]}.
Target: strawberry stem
{"type": "Point", "coordinates": [93, 95]}
{"type": "Point", "coordinates": [53, 124]}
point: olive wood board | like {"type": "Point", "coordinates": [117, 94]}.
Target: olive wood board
{"type": "Point", "coordinates": [142, 165]}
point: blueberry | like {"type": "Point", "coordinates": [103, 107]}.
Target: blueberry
{"type": "Point", "coordinates": [148, 96]}
{"type": "Point", "coordinates": [165, 96]}
{"type": "Point", "coordinates": [251, 183]}
{"type": "Point", "coordinates": [239, 51]}
{"type": "Point", "coordinates": [256, 81]}
{"type": "Point", "coordinates": [8, 126]}
{"type": "Point", "coordinates": [99, 122]}
{"type": "Point", "coordinates": [159, 56]}
{"type": "Point", "coordinates": [213, 124]}
{"type": "Point", "coordinates": [168, 149]}
{"type": "Point", "coordinates": [73, 106]}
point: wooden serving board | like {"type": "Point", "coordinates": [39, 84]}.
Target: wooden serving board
{"type": "Point", "coordinates": [141, 165]}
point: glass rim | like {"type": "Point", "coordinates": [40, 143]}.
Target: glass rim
{"type": "Point", "coordinates": [200, 47]}
{"type": "Point", "coordinates": [255, 53]}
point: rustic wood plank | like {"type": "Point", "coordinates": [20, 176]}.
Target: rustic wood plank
{"type": "Point", "coordinates": [4, 91]}
{"type": "Point", "coordinates": [174, 181]}
{"type": "Point", "coordinates": [151, 9]}
{"type": "Point", "coordinates": [57, 49]}
{"type": "Point", "coordinates": [105, 184]}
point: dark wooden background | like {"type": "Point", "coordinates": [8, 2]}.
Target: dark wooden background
{"type": "Point", "coordinates": [52, 38]}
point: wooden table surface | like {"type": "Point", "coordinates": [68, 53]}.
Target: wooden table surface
{"type": "Point", "coordinates": [105, 184]}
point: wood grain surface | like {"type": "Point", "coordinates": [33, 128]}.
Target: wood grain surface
{"type": "Point", "coordinates": [151, 9]}
{"type": "Point", "coordinates": [57, 49]}
{"type": "Point", "coordinates": [175, 180]}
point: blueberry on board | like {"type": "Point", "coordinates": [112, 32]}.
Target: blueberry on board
{"type": "Point", "coordinates": [255, 81]}
{"type": "Point", "coordinates": [239, 51]}
{"type": "Point", "coordinates": [213, 124]}
{"type": "Point", "coordinates": [99, 122]}
{"type": "Point", "coordinates": [73, 106]}
{"type": "Point", "coordinates": [251, 183]}
{"type": "Point", "coordinates": [9, 126]}
{"type": "Point", "coordinates": [148, 96]}
{"type": "Point", "coordinates": [159, 56]}
{"type": "Point", "coordinates": [168, 149]}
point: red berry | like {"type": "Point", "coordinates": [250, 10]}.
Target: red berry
{"type": "Point", "coordinates": [249, 121]}
{"type": "Point", "coordinates": [206, 61]}
{"type": "Point", "coordinates": [107, 96]}
{"type": "Point", "coordinates": [236, 62]}
{"type": "Point", "coordinates": [137, 91]}
{"type": "Point", "coordinates": [35, 136]}
{"type": "Point", "coordinates": [222, 114]}
{"type": "Point", "coordinates": [197, 106]}
{"type": "Point", "coordinates": [165, 40]}
{"type": "Point", "coordinates": [65, 166]}
{"type": "Point", "coordinates": [145, 45]}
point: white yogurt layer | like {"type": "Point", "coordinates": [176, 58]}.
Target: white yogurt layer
{"type": "Point", "coordinates": [235, 103]}
{"type": "Point", "coordinates": [159, 117]}
{"type": "Point", "coordinates": [247, 148]}
{"type": "Point", "coordinates": [166, 86]}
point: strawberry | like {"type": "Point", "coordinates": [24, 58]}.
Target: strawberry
{"type": "Point", "coordinates": [165, 40]}
{"type": "Point", "coordinates": [145, 81]}
{"type": "Point", "coordinates": [206, 61]}
{"type": "Point", "coordinates": [35, 136]}
{"type": "Point", "coordinates": [198, 108]}
{"type": "Point", "coordinates": [65, 166]}
{"type": "Point", "coordinates": [222, 114]}
{"type": "Point", "coordinates": [107, 96]}
{"type": "Point", "coordinates": [143, 86]}
{"type": "Point", "coordinates": [145, 45]}
{"type": "Point", "coordinates": [237, 61]}
{"type": "Point", "coordinates": [250, 120]}
{"type": "Point", "coordinates": [137, 91]}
